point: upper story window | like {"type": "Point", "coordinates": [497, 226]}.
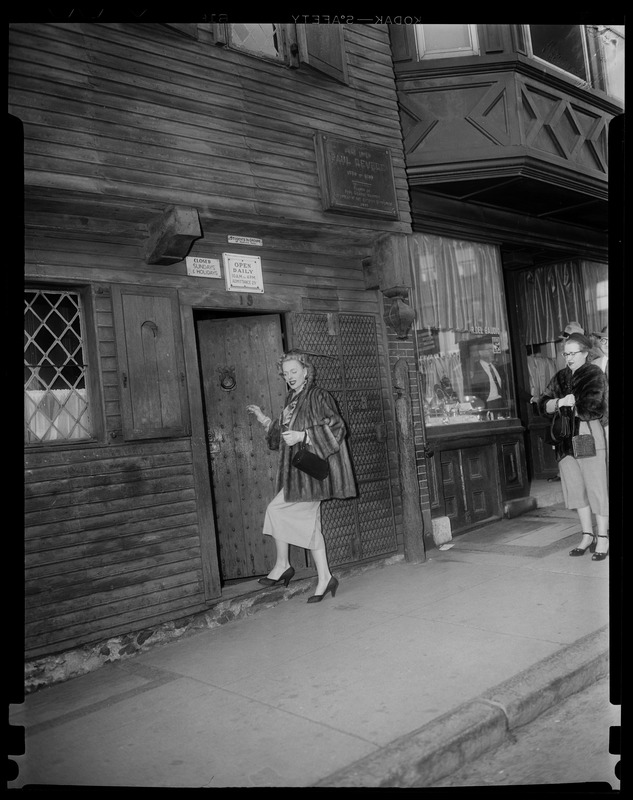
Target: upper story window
{"type": "Point", "coordinates": [56, 402]}
{"type": "Point", "coordinates": [320, 48]}
{"type": "Point", "coordinates": [593, 54]}
{"type": "Point", "coordinates": [260, 39]}
{"type": "Point", "coordinates": [562, 46]}
{"type": "Point", "coordinates": [446, 41]}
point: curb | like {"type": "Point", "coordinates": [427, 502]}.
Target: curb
{"type": "Point", "coordinates": [446, 744]}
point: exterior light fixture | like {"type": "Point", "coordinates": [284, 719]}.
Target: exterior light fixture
{"type": "Point", "coordinates": [399, 315]}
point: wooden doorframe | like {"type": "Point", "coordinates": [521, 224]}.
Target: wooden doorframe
{"type": "Point", "coordinates": [192, 300]}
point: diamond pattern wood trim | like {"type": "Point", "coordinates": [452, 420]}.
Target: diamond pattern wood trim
{"type": "Point", "coordinates": [571, 132]}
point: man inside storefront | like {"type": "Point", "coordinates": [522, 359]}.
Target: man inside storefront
{"type": "Point", "coordinates": [486, 381]}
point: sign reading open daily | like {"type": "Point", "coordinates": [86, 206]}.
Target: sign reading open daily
{"type": "Point", "coordinates": [243, 273]}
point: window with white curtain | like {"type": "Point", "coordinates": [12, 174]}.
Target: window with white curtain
{"type": "Point", "coordinates": [462, 331]}
{"type": "Point", "coordinates": [56, 402]}
{"type": "Point", "coordinates": [258, 38]}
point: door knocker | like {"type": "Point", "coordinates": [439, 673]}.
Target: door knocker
{"type": "Point", "coordinates": [227, 378]}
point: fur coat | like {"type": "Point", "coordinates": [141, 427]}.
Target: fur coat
{"type": "Point", "coordinates": [316, 411]}
{"type": "Point", "coordinates": [589, 386]}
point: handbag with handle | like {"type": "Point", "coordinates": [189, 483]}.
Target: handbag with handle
{"type": "Point", "coordinates": [309, 462]}
{"type": "Point", "coordinates": [583, 445]}
{"type": "Point", "coordinates": [560, 426]}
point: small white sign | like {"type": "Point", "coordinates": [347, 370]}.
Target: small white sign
{"type": "Point", "coordinates": [203, 267]}
{"type": "Point", "coordinates": [243, 273]}
{"type": "Point", "coordinates": [245, 240]}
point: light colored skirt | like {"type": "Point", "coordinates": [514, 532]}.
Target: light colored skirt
{"type": "Point", "coordinates": [297, 523]}
{"type": "Point", "coordinates": [584, 480]}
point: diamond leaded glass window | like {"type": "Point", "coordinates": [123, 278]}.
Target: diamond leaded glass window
{"type": "Point", "coordinates": [56, 405]}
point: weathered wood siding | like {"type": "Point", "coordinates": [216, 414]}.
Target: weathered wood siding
{"type": "Point", "coordinates": [137, 113]}
{"type": "Point", "coordinates": [112, 543]}
{"type": "Point", "coordinates": [122, 121]}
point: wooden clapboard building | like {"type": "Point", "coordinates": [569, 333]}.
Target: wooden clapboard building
{"type": "Point", "coordinates": [198, 198]}
{"type": "Point", "coordinates": [400, 200]}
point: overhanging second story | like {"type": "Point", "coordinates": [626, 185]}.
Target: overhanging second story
{"type": "Point", "coordinates": [511, 116]}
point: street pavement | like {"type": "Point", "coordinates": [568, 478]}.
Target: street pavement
{"type": "Point", "coordinates": [411, 671]}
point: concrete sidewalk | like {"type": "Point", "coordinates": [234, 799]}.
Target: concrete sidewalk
{"type": "Point", "coordinates": [409, 672]}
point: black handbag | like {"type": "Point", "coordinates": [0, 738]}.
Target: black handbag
{"type": "Point", "coordinates": [309, 462]}
{"type": "Point", "coordinates": [560, 426]}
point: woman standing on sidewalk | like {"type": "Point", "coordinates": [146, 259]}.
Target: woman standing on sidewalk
{"type": "Point", "coordinates": [580, 392]}
{"type": "Point", "coordinates": [294, 514]}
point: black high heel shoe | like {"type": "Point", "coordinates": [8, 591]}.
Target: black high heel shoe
{"type": "Point", "coordinates": [580, 551]}
{"type": "Point", "coordinates": [332, 586]}
{"type": "Point", "coordinates": [600, 556]}
{"type": "Point", "coordinates": [285, 578]}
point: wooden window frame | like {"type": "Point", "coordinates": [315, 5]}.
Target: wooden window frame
{"type": "Point", "coordinates": [593, 56]}
{"type": "Point", "coordinates": [283, 56]}
{"type": "Point", "coordinates": [576, 78]}
{"type": "Point", "coordinates": [302, 46]}
{"type": "Point", "coordinates": [427, 55]}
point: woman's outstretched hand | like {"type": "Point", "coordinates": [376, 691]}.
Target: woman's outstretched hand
{"type": "Point", "coordinates": [257, 412]}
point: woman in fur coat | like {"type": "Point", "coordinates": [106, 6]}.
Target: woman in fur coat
{"type": "Point", "coordinates": [580, 390]}
{"type": "Point", "coordinates": [294, 514]}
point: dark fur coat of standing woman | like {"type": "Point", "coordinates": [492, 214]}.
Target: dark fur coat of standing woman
{"type": "Point", "coordinates": [580, 392]}
{"type": "Point", "coordinates": [294, 514]}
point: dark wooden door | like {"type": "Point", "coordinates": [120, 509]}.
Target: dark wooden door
{"type": "Point", "coordinates": [468, 485]}
{"type": "Point", "coordinates": [480, 483]}
{"type": "Point", "coordinates": [452, 487]}
{"type": "Point", "coordinates": [238, 358]}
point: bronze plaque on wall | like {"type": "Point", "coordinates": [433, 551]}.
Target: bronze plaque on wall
{"type": "Point", "coordinates": [356, 178]}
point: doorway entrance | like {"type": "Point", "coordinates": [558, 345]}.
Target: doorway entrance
{"type": "Point", "coordinates": [238, 357]}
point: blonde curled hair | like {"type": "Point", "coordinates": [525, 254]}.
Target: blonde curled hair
{"type": "Point", "coordinates": [303, 359]}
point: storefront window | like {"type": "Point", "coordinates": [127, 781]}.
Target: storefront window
{"type": "Point", "coordinates": [462, 331]}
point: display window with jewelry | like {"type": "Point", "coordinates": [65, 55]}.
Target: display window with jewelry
{"type": "Point", "coordinates": [461, 332]}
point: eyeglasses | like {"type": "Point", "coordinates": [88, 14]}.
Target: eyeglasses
{"type": "Point", "coordinates": [573, 355]}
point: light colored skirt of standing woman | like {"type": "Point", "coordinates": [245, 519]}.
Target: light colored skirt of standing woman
{"type": "Point", "coordinates": [584, 480]}
{"type": "Point", "coordinates": [297, 523]}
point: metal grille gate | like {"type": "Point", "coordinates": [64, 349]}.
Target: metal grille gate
{"type": "Point", "coordinates": [347, 365]}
